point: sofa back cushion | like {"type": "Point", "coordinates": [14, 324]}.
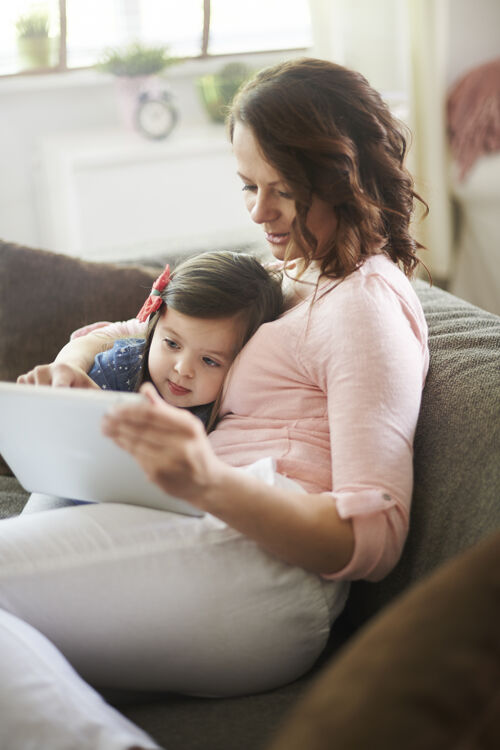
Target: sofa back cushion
{"type": "Point", "coordinates": [45, 296]}
{"type": "Point", "coordinates": [456, 499]}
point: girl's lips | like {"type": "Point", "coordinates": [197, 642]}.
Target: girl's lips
{"type": "Point", "coordinates": [277, 239]}
{"type": "Point", "coordinates": [177, 390]}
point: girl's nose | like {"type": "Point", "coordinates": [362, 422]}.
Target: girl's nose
{"type": "Point", "coordinates": [184, 366]}
{"type": "Point", "coordinates": [263, 209]}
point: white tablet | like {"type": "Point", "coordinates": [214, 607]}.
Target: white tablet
{"type": "Point", "coordinates": [52, 440]}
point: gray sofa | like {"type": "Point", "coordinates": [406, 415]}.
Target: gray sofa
{"type": "Point", "coordinates": [455, 513]}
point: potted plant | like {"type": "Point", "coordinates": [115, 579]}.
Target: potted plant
{"type": "Point", "coordinates": [217, 91]}
{"type": "Point", "coordinates": [135, 68]}
{"type": "Point", "coordinates": [33, 41]}
{"type": "Point", "coordinates": [135, 60]}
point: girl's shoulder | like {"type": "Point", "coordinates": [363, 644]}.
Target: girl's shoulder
{"type": "Point", "coordinates": [124, 351]}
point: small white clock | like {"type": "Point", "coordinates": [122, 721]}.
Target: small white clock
{"type": "Point", "coordinates": [156, 114]}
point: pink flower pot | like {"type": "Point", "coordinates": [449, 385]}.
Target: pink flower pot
{"type": "Point", "coordinates": [128, 91]}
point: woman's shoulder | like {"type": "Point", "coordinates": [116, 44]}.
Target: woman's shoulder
{"type": "Point", "coordinates": [374, 309]}
{"type": "Point", "coordinates": [379, 282]}
{"type": "Point", "coordinates": [372, 298]}
{"type": "Point", "coordinates": [379, 270]}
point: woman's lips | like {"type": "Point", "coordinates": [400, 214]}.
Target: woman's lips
{"type": "Point", "coordinates": [177, 390]}
{"type": "Point", "coordinates": [277, 239]}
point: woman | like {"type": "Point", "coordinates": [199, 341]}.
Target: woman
{"type": "Point", "coordinates": [330, 392]}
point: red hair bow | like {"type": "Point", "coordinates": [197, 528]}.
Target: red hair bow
{"type": "Point", "coordinates": [154, 300]}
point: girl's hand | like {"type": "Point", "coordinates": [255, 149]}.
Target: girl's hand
{"type": "Point", "coordinates": [169, 444]}
{"type": "Point", "coordinates": [59, 375]}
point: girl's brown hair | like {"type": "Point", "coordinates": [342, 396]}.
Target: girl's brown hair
{"type": "Point", "coordinates": [217, 285]}
{"type": "Point", "coordinates": [329, 134]}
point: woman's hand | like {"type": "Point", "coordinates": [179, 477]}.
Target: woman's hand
{"type": "Point", "coordinates": [58, 374]}
{"type": "Point", "coordinates": [170, 445]}
{"type": "Point", "coordinates": [172, 448]}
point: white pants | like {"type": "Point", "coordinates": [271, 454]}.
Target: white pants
{"type": "Point", "coordinates": [143, 599]}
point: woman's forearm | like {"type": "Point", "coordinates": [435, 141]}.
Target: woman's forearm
{"type": "Point", "coordinates": [301, 529]}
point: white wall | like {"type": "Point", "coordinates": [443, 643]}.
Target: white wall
{"type": "Point", "coordinates": [32, 107]}
{"type": "Point", "coordinates": [474, 35]}
{"type": "Point", "coordinates": [28, 110]}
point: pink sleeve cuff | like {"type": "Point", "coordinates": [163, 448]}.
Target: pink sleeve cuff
{"type": "Point", "coordinates": [380, 526]}
{"type": "Point", "coordinates": [358, 503]}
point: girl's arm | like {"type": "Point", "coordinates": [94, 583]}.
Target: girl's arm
{"type": "Point", "coordinates": [75, 359]}
{"type": "Point", "coordinates": [173, 450]}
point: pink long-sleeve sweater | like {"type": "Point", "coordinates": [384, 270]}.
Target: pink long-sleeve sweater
{"type": "Point", "coordinates": [332, 392]}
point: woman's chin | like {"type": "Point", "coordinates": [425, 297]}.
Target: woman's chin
{"type": "Point", "coordinates": [278, 251]}
{"type": "Point", "coordinates": [282, 251]}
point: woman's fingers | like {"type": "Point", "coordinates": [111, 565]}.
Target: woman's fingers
{"type": "Point", "coordinates": [170, 445]}
{"type": "Point", "coordinates": [154, 415]}
{"type": "Point", "coordinates": [151, 393]}
{"type": "Point", "coordinates": [152, 428]}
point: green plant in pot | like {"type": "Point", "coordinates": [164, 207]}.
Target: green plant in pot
{"type": "Point", "coordinates": [33, 41]}
{"type": "Point", "coordinates": [217, 91]}
{"type": "Point", "coordinates": [135, 60]}
{"type": "Point", "coordinates": [136, 68]}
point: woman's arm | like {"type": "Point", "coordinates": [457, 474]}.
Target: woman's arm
{"type": "Point", "coordinates": [374, 363]}
{"type": "Point", "coordinates": [172, 448]}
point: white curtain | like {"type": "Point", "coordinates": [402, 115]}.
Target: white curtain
{"type": "Point", "coordinates": [401, 46]}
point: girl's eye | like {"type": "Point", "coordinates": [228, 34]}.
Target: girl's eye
{"type": "Point", "coordinates": [210, 362]}
{"type": "Point", "coordinates": [282, 194]}
{"type": "Point", "coordinates": [249, 188]}
{"type": "Point", "coordinates": [171, 344]}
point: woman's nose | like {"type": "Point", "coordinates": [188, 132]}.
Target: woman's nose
{"type": "Point", "coordinates": [263, 209]}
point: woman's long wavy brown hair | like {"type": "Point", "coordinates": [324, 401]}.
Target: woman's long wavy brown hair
{"type": "Point", "coordinates": [330, 134]}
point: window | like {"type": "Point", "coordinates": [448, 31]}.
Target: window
{"type": "Point", "coordinates": [58, 35]}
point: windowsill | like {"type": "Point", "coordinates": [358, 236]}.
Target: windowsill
{"type": "Point", "coordinates": [89, 77]}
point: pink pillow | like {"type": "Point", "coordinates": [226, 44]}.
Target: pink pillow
{"type": "Point", "coordinates": [473, 115]}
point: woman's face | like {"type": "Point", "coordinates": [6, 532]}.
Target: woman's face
{"type": "Point", "coordinates": [269, 200]}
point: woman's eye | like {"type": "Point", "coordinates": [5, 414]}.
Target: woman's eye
{"type": "Point", "coordinates": [283, 194]}
{"type": "Point", "coordinates": [210, 362]}
{"type": "Point", "coordinates": [249, 188]}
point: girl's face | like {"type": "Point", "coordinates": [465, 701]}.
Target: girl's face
{"type": "Point", "coordinates": [189, 357]}
{"type": "Point", "coordinates": [269, 201]}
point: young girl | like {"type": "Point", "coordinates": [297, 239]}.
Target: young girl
{"type": "Point", "coordinates": [199, 317]}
